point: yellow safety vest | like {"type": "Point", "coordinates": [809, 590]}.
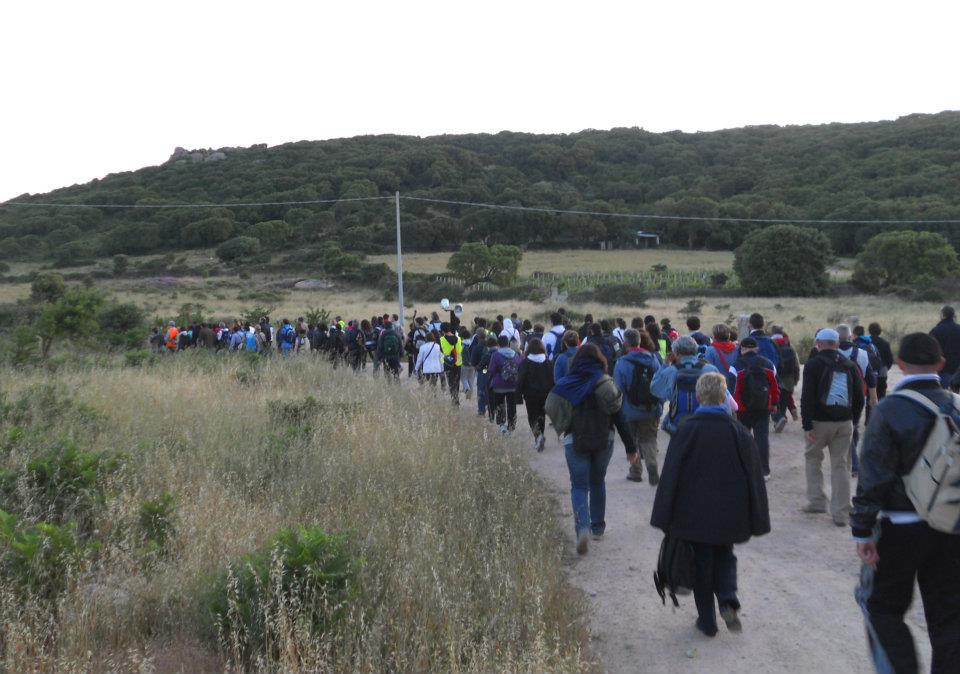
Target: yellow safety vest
{"type": "Point", "coordinates": [446, 348]}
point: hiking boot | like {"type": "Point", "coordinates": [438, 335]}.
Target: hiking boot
{"type": "Point", "coordinates": [730, 617]}
{"type": "Point", "coordinates": [653, 475]}
{"type": "Point", "coordinates": [780, 425]}
{"type": "Point", "coordinates": [707, 631]}
{"type": "Point", "coordinates": [583, 543]}
{"type": "Point", "coordinates": [813, 510]}
{"type": "Point", "coordinates": [635, 474]}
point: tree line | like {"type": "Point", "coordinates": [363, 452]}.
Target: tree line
{"type": "Point", "coordinates": [904, 169]}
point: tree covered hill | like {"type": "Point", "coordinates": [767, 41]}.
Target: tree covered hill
{"type": "Point", "coordinates": [904, 169]}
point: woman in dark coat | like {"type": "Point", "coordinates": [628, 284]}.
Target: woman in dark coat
{"type": "Point", "coordinates": [534, 381]}
{"type": "Point", "coordinates": [712, 494]}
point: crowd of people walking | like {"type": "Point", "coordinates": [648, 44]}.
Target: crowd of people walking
{"type": "Point", "coordinates": [715, 397]}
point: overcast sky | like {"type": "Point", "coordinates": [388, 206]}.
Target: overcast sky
{"type": "Point", "coordinates": [96, 87]}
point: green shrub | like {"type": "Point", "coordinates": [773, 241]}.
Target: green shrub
{"type": "Point", "coordinates": [304, 574]}
{"type": "Point", "coordinates": [38, 558]}
{"type": "Point", "coordinates": [48, 287]}
{"type": "Point", "coordinates": [157, 523]}
{"type": "Point", "coordinates": [137, 358]}
{"type": "Point", "coordinates": [67, 483]}
{"type": "Point", "coordinates": [121, 263]}
{"type": "Point", "coordinates": [122, 325]}
{"type": "Point", "coordinates": [784, 260]}
{"type": "Point", "coordinates": [238, 248]}
{"type": "Point", "coordinates": [905, 261]}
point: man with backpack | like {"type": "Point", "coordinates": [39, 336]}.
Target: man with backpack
{"type": "Point", "coordinates": [553, 339]}
{"type": "Point", "coordinates": [452, 348]}
{"type": "Point", "coordinates": [886, 357]}
{"type": "Point", "coordinates": [287, 337]}
{"type": "Point", "coordinates": [503, 375]}
{"type": "Point", "coordinates": [634, 373]}
{"type": "Point", "coordinates": [677, 381]}
{"type": "Point", "coordinates": [389, 350]}
{"type": "Point", "coordinates": [831, 401]}
{"type": "Point", "coordinates": [757, 394]}
{"type": "Point", "coordinates": [848, 349]}
{"type": "Point", "coordinates": [906, 514]}
{"type": "Point", "coordinates": [765, 344]}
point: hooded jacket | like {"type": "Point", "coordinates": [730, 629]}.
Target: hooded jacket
{"type": "Point", "coordinates": [711, 488]}
{"type": "Point", "coordinates": [720, 352]}
{"type": "Point", "coordinates": [535, 378]}
{"type": "Point", "coordinates": [495, 373]}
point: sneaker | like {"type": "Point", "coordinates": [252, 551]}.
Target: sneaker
{"type": "Point", "coordinates": [730, 617]}
{"type": "Point", "coordinates": [793, 413]}
{"type": "Point", "coordinates": [840, 523]}
{"type": "Point", "coordinates": [634, 475]}
{"type": "Point", "coordinates": [766, 477]}
{"type": "Point", "coordinates": [780, 425]}
{"type": "Point", "coordinates": [597, 535]}
{"type": "Point", "coordinates": [813, 510]}
{"type": "Point", "coordinates": [541, 441]}
{"type": "Point", "coordinates": [583, 543]}
{"type": "Point", "coordinates": [503, 429]}
{"type": "Point", "coordinates": [653, 475]}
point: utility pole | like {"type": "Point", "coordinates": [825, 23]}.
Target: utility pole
{"type": "Point", "coordinates": [403, 326]}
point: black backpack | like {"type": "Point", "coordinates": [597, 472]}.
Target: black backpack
{"type": "Point", "coordinates": [590, 427]}
{"type": "Point", "coordinates": [756, 387]}
{"type": "Point", "coordinates": [639, 393]}
{"type": "Point", "coordinates": [675, 572]}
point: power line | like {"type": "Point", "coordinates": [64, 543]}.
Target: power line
{"type": "Point", "coordinates": [651, 216]}
{"type": "Point", "coordinates": [201, 205]}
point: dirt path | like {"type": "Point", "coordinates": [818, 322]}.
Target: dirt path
{"type": "Point", "coordinates": [796, 584]}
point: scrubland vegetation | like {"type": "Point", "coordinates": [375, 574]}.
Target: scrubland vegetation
{"type": "Point", "coordinates": [199, 513]}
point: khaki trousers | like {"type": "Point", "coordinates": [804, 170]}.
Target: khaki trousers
{"type": "Point", "coordinates": [835, 436]}
{"type": "Point", "coordinates": [645, 436]}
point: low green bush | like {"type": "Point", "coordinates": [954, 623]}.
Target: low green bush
{"type": "Point", "coordinates": [303, 574]}
{"type": "Point", "coordinates": [38, 558]}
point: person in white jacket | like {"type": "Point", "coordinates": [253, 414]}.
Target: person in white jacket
{"type": "Point", "coordinates": [430, 360]}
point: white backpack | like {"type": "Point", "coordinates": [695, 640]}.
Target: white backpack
{"type": "Point", "coordinates": [933, 484]}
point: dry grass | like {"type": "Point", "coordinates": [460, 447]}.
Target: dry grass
{"type": "Point", "coordinates": [462, 549]}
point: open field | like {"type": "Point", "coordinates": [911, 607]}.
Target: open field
{"type": "Point", "coordinates": [458, 554]}
{"type": "Point", "coordinates": [568, 261]}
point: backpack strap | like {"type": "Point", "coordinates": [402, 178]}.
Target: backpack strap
{"type": "Point", "coordinates": [924, 401]}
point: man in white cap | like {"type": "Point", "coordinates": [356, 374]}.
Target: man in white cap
{"type": "Point", "coordinates": [831, 402]}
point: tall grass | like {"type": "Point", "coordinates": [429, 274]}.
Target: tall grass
{"type": "Point", "coordinates": [460, 546]}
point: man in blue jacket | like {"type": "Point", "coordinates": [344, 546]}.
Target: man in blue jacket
{"type": "Point", "coordinates": [641, 408]}
{"type": "Point", "coordinates": [683, 356]}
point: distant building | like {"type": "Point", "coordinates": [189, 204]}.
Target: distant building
{"type": "Point", "coordinates": [646, 239]}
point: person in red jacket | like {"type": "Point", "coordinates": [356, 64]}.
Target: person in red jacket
{"type": "Point", "coordinates": [757, 394]}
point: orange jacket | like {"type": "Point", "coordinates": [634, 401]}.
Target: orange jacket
{"type": "Point", "coordinates": [172, 335]}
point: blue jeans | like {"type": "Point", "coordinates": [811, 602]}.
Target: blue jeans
{"type": "Point", "coordinates": [759, 425]}
{"type": "Point", "coordinates": [716, 575]}
{"type": "Point", "coordinates": [588, 491]}
{"type": "Point", "coordinates": [481, 392]}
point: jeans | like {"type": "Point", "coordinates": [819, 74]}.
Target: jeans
{"type": "Point", "coordinates": [759, 425]}
{"type": "Point", "coordinates": [588, 491]}
{"type": "Point", "coordinates": [468, 377]}
{"type": "Point", "coordinates": [912, 554]}
{"type": "Point", "coordinates": [716, 575]}
{"type": "Point", "coordinates": [482, 392]}
{"type": "Point", "coordinates": [506, 404]}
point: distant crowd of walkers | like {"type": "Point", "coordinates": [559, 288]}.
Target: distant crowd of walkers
{"type": "Point", "coordinates": [716, 396]}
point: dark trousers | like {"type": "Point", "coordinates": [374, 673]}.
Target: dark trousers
{"type": "Point", "coordinates": [506, 405]}
{"type": "Point", "coordinates": [759, 425]}
{"type": "Point", "coordinates": [536, 414]}
{"type": "Point", "coordinates": [912, 553]}
{"type": "Point", "coordinates": [453, 383]}
{"type": "Point", "coordinates": [716, 576]}
{"type": "Point", "coordinates": [881, 388]}
{"type": "Point", "coordinates": [391, 365]}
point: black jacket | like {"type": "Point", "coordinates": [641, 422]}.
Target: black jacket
{"type": "Point", "coordinates": [812, 407]}
{"type": "Point", "coordinates": [711, 489]}
{"type": "Point", "coordinates": [948, 334]}
{"type": "Point", "coordinates": [893, 440]}
{"type": "Point", "coordinates": [534, 380]}
{"type": "Point", "coordinates": [883, 348]}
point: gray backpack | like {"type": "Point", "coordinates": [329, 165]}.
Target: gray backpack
{"type": "Point", "coordinates": [933, 484]}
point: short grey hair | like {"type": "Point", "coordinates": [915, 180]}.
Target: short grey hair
{"type": "Point", "coordinates": [631, 338]}
{"type": "Point", "coordinates": [685, 346]}
{"type": "Point", "coordinates": [843, 331]}
{"type": "Point", "coordinates": [712, 389]}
